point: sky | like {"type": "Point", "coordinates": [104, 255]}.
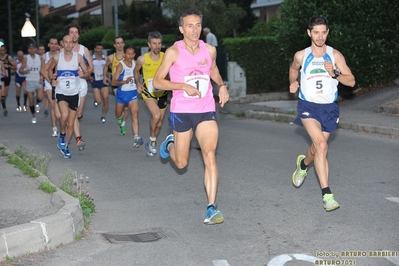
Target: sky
{"type": "Point", "coordinates": [56, 3]}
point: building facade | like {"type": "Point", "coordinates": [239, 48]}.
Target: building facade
{"type": "Point", "coordinates": [266, 9]}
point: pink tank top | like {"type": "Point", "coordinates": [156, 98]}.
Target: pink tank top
{"type": "Point", "coordinates": [194, 70]}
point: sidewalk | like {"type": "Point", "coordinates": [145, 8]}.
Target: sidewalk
{"type": "Point", "coordinates": [375, 112]}
{"type": "Point", "coordinates": [32, 221]}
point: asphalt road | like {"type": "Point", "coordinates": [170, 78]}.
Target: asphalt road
{"type": "Point", "coordinates": [267, 220]}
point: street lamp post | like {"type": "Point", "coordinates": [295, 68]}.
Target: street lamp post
{"type": "Point", "coordinates": [28, 30]}
{"type": "Point", "coordinates": [37, 22]}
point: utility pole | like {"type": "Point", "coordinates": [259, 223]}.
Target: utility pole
{"type": "Point", "coordinates": [37, 23]}
{"type": "Point", "coordinates": [116, 18]}
{"type": "Point", "coordinates": [10, 45]}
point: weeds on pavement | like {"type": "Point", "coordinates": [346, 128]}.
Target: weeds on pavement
{"type": "Point", "coordinates": [78, 187]}
{"type": "Point", "coordinates": [36, 161]}
{"type": "Point", "coordinates": [47, 187]}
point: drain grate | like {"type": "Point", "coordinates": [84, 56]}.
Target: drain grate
{"type": "Point", "coordinates": [137, 238]}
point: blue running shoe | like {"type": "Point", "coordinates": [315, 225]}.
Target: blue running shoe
{"type": "Point", "coordinates": [137, 141]}
{"type": "Point", "coordinates": [163, 149]}
{"type": "Point", "coordinates": [66, 153]}
{"type": "Point", "coordinates": [149, 154]}
{"type": "Point", "coordinates": [150, 146]}
{"type": "Point", "coordinates": [213, 216]}
{"type": "Point", "coordinates": [95, 104]}
{"type": "Point", "coordinates": [61, 142]}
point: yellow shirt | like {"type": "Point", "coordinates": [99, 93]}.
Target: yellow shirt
{"type": "Point", "coordinates": [150, 67]}
{"type": "Point", "coordinates": [115, 63]}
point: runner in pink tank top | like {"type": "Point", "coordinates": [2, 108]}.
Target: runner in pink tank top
{"type": "Point", "coordinates": [194, 70]}
{"type": "Point", "coordinates": [191, 65]}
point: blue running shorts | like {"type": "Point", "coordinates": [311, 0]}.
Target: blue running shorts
{"type": "Point", "coordinates": [326, 114]}
{"type": "Point", "coordinates": [182, 122]}
{"type": "Point", "coordinates": [125, 97]}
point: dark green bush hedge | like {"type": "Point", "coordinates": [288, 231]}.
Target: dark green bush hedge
{"type": "Point", "coordinates": [265, 66]}
{"type": "Point", "coordinates": [364, 31]}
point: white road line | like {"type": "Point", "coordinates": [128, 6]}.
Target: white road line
{"type": "Point", "coordinates": [220, 263]}
{"type": "Point", "coordinates": [304, 257]}
{"type": "Point", "coordinates": [394, 199]}
{"type": "Point", "coordinates": [279, 260]}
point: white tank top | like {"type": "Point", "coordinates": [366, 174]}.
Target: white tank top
{"type": "Point", "coordinates": [317, 85]}
{"type": "Point", "coordinates": [67, 75]}
{"type": "Point", "coordinates": [98, 65]}
{"type": "Point", "coordinates": [19, 63]}
{"type": "Point", "coordinates": [127, 72]}
{"type": "Point", "coordinates": [33, 64]}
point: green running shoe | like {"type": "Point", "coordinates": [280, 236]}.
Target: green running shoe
{"type": "Point", "coordinates": [119, 121]}
{"type": "Point", "coordinates": [123, 130]}
{"type": "Point", "coordinates": [329, 202]}
{"type": "Point", "coordinates": [299, 175]}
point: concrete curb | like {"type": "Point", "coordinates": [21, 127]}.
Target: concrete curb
{"type": "Point", "coordinates": [358, 127]}
{"type": "Point", "coordinates": [44, 233]}
{"type": "Point", "coordinates": [391, 108]}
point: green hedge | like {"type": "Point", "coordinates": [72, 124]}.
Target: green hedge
{"type": "Point", "coordinates": [265, 68]}
{"type": "Point", "coordinates": [368, 42]}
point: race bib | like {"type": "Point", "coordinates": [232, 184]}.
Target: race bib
{"type": "Point", "coordinates": [131, 86]}
{"type": "Point", "coordinates": [150, 87]}
{"type": "Point", "coordinates": [200, 82]}
{"type": "Point", "coordinates": [67, 83]}
{"type": "Point", "coordinates": [98, 76]}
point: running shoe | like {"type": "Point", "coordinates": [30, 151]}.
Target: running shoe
{"type": "Point", "coordinates": [138, 141]}
{"type": "Point", "coordinates": [102, 119]}
{"type": "Point", "coordinates": [80, 143]}
{"type": "Point", "coordinates": [329, 202]}
{"type": "Point", "coordinates": [119, 121]}
{"type": "Point", "coordinates": [149, 154]}
{"type": "Point", "coordinates": [37, 108]}
{"type": "Point", "coordinates": [46, 113]}
{"type": "Point", "coordinates": [163, 149]}
{"type": "Point", "coordinates": [54, 132]}
{"type": "Point", "coordinates": [213, 216]}
{"type": "Point", "coordinates": [5, 112]}
{"type": "Point", "coordinates": [19, 109]}
{"type": "Point", "coordinates": [34, 120]}
{"type": "Point", "coordinates": [95, 104]}
{"type": "Point", "coordinates": [123, 130]}
{"type": "Point", "coordinates": [67, 153]}
{"type": "Point", "coordinates": [150, 146]}
{"type": "Point", "coordinates": [24, 108]}
{"type": "Point", "coordinates": [61, 142]}
{"type": "Point", "coordinates": [299, 175]}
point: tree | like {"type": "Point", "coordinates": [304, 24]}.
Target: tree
{"type": "Point", "coordinates": [369, 43]}
{"type": "Point", "coordinates": [18, 10]}
{"type": "Point", "coordinates": [249, 19]}
{"type": "Point", "coordinates": [52, 26]}
{"type": "Point", "coordinates": [222, 19]}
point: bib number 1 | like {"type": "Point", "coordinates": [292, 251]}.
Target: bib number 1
{"type": "Point", "coordinates": [200, 82]}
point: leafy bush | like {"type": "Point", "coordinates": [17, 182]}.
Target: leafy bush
{"type": "Point", "coordinates": [265, 68]}
{"type": "Point", "coordinates": [109, 37]}
{"type": "Point", "coordinates": [90, 37]}
{"type": "Point", "coordinates": [369, 43]}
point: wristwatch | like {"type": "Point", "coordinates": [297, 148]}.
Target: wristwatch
{"type": "Point", "coordinates": [224, 84]}
{"type": "Point", "coordinates": [337, 73]}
